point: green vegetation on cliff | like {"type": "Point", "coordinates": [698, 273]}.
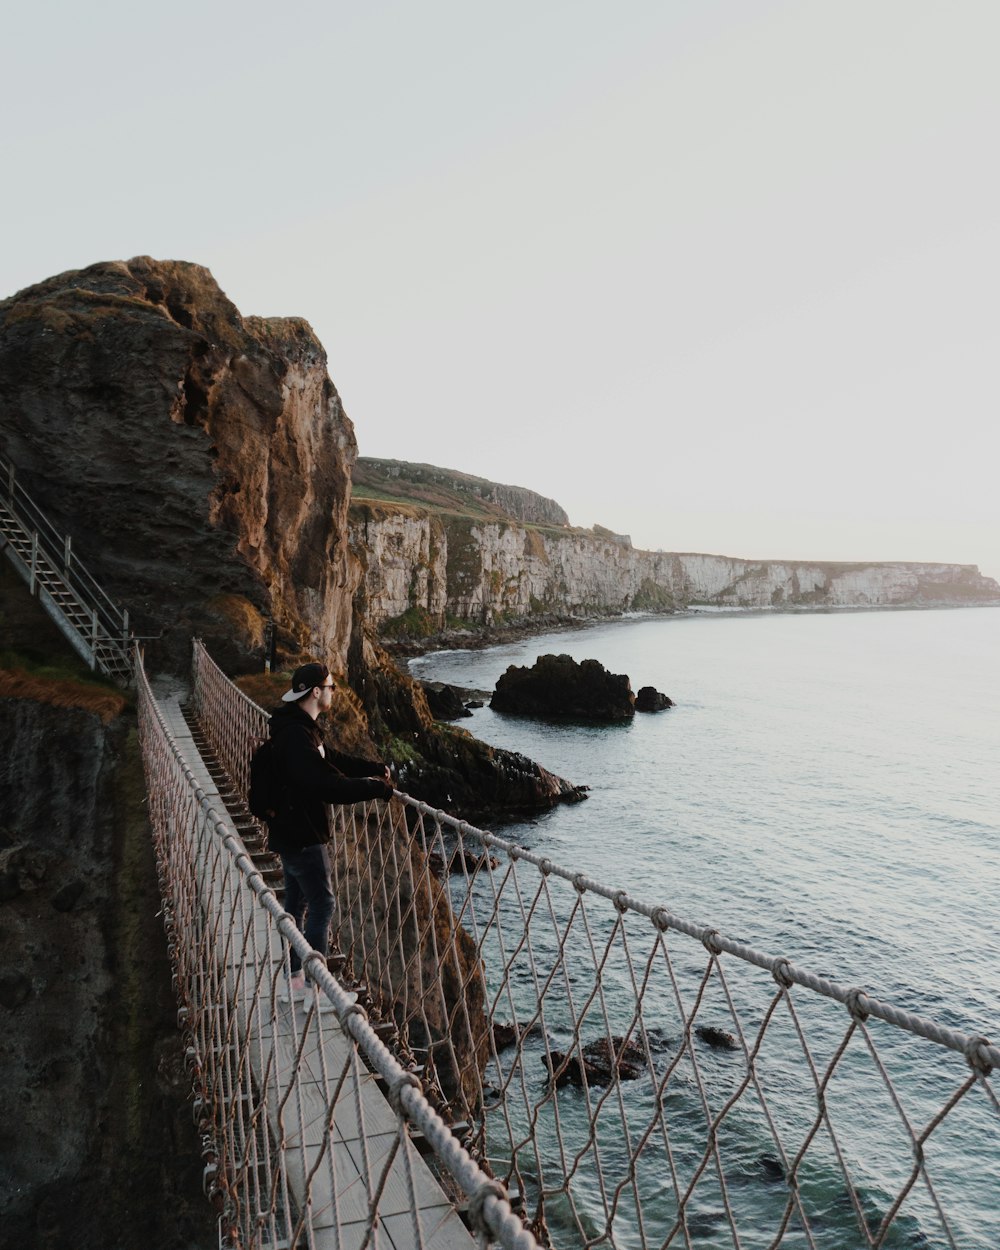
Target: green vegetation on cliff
{"type": "Point", "coordinates": [447, 490]}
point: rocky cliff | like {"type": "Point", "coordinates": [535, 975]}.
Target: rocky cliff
{"type": "Point", "coordinates": [97, 1146]}
{"type": "Point", "coordinates": [201, 460]}
{"type": "Point", "coordinates": [427, 567]}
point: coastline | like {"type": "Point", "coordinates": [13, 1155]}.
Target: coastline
{"type": "Point", "coordinates": [481, 639]}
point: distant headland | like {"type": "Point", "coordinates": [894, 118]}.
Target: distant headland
{"type": "Point", "coordinates": [449, 556]}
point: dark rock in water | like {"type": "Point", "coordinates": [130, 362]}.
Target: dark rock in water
{"type": "Point", "coordinates": [504, 1035]}
{"type": "Point", "coordinates": [771, 1168]}
{"type": "Point", "coordinates": [661, 1042]}
{"type": "Point", "coordinates": [568, 1069]}
{"type": "Point", "coordinates": [704, 1223]}
{"type": "Point", "coordinates": [650, 700]}
{"type": "Point", "coordinates": [598, 1063]}
{"type": "Point", "coordinates": [718, 1039]}
{"type": "Point", "coordinates": [465, 860]}
{"type": "Point", "coordinates": [473, 703]}
{"type": "Point", "coordinates": [445, 702]}
{"type": "Point", "coordinates": [557, 687]}
{"type": "Point", "coordinates": [601, 1055]}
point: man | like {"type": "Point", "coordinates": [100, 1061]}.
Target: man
{"type": "Point", "coordinates": [312, 775]}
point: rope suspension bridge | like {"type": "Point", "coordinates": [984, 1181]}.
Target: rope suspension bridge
{"type": "Point", "coordinates": [563, 1064]}
{"type": "Point", "coordinates": [502, 1051]}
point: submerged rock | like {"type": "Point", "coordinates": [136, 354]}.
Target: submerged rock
{"type": "Point", "coordinates": [771, 1168]}
{"type": "Point", "coordinates": [506, 1035]}
{"type": "Point", "coordinates": [630, 1057]}
{"type": "Point", "coordinates": [569, 1069]}
{"type": "Point", "coordinates": [558, 687]}
{"type": "Point", "coordinates": [718, 1039]}
{"type": "Point", "coordinates": [597, 1064]}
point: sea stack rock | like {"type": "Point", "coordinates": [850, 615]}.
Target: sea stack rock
{"type": "Point", "coordinates": [650, 700]}
{"type": "Point", "coordinates": [557, 687]}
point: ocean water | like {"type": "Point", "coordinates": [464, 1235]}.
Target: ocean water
{"type": "Point", "coordinates": [826, 788]}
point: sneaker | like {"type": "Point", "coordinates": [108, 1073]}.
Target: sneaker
{"type": "Point", "coordinates": [323, 1004]}
{"type": "Point", "coordinates": [292, 990]}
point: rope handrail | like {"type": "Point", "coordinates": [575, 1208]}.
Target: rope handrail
{"type": "Point", "coordinates": [635, 1086]}
{"type": "Point", "coordinates": [53, 544]}
{"type": "Point", "coordinates": [982, 1052]}
{"type": "Point", "coordinates": [976, 1048]}
{"type": "Point", "coordinates": [490, 1210]}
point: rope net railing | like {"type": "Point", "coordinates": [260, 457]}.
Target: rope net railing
{"type": "Point", "coordinates": [638, 1079]}
{"type": "Point", "coordinates": [314, 1134]}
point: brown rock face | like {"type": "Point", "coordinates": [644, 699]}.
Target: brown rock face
{"type": "Point", "coordinates": [91, 1063]}
{"type": "Point", "coordinates": [396, 926]}
{"type": "Point", "coordinates": [201, 460]}
{"type": "Point", "coordinates": [443, 764]}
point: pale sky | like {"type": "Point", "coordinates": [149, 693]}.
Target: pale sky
{"type": "Point", "coordinates": [720, 274]}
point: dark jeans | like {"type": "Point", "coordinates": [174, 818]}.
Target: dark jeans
{"type": "Point", "coordinates": [308, 893]}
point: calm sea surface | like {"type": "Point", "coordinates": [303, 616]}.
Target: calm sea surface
{"type": "Point", "coordinates": [827, 788]}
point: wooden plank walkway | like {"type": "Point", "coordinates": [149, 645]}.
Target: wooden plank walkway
{"type": "Point", "coordinates": [322, 1101]}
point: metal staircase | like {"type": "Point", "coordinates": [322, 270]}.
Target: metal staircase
{"type": "Point", "coordinates": [94, 626]}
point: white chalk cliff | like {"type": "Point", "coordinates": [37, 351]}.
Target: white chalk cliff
{"type": "Point", "coordinates": [481, 570]}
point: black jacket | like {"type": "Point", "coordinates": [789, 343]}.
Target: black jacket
{"type": "Point", "coordinates": [312, 781]}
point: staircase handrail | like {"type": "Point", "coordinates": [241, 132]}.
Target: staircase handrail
{"type": "Point", "coordinates": [55, 547]}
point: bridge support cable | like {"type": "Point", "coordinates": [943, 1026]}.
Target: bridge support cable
{"type": "Point", "coordinates": [303, 1148]}
{"type": "Point", "coordinates": [644, 1079]}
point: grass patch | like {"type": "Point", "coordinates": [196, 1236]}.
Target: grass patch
{"type": "Point", "coordinates": [50, 684]}
{"type": "Point", "coordinates": [415, 622]}
{"type": "Point", "coordinates": [652, 597]}
{"type": "Point", "coordinates": [398, 751]}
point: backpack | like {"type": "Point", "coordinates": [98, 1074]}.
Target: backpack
{"type": "Point", "coordinates": [266, 789]}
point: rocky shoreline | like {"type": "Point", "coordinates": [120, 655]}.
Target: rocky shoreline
{"type": "Point", "coordinates": [493, 635]}
{"type": "Point", "coordinates": [404, 649]}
